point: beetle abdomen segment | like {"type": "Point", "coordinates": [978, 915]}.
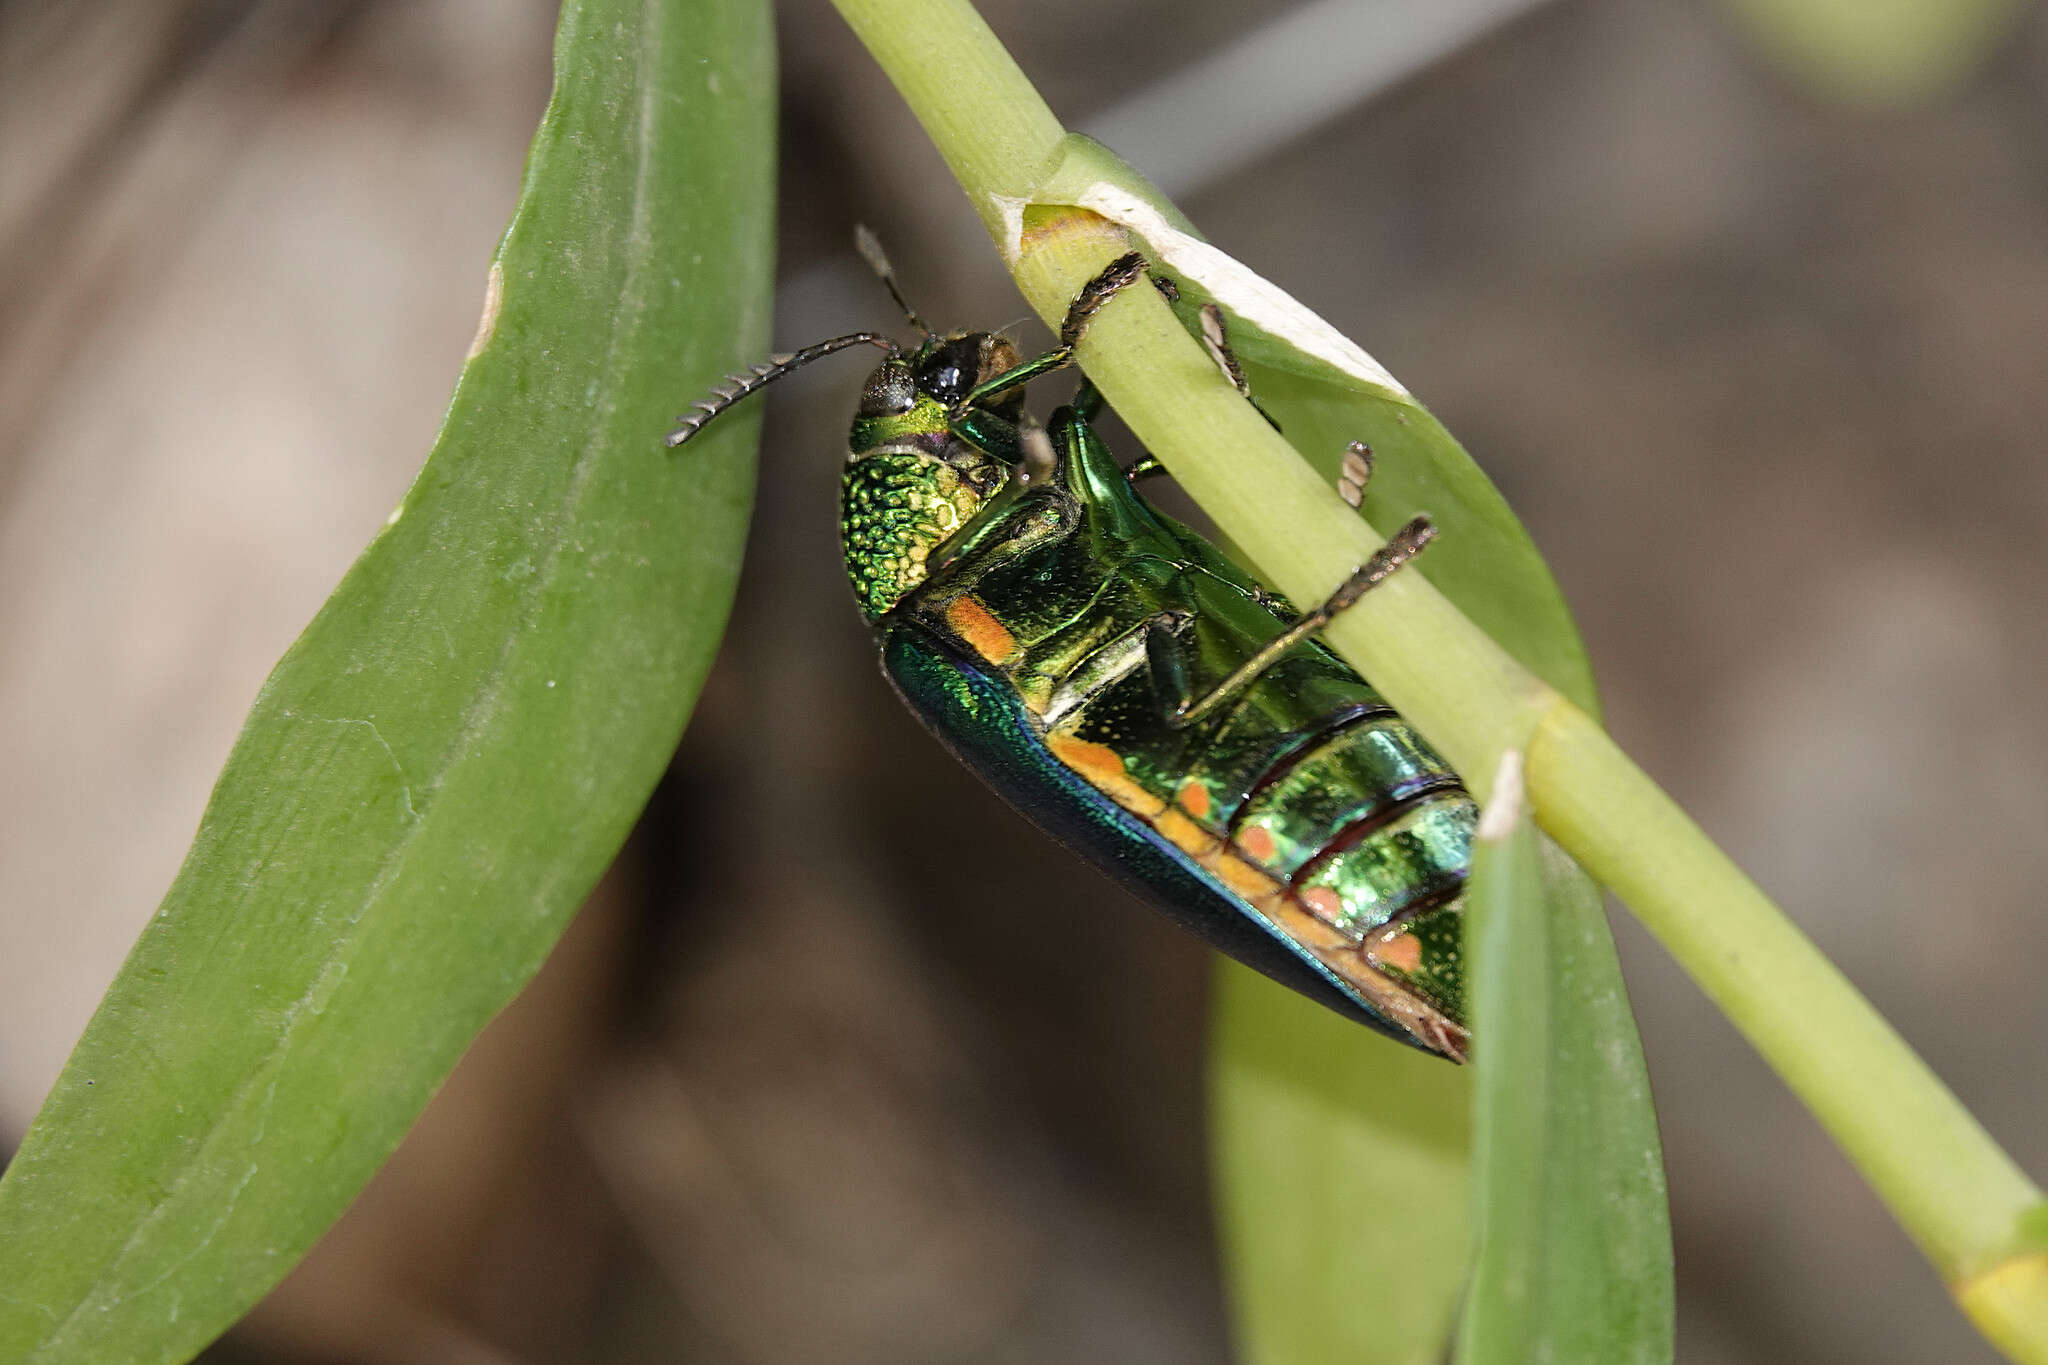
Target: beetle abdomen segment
{"type": "Point", "coordinates": [1394, 870]}
{"type": "Point", "coordinates": [1368, 832]}
{"type": "Point", "coordinates": [1361, 777]}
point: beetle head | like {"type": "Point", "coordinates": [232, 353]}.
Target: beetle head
{"type": "Point", "coordinates": [911, 481]}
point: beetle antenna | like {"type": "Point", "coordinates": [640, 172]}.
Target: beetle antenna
{"type": "Point", "coordinates": [738, 386]}
{"type": "Point", "coordinates": [870, 248]}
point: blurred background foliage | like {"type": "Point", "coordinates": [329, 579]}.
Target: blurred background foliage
{"type": "Point", "coordinates": [845, 1062]}
{"type": "Point", "coordinates": [1879, 54]}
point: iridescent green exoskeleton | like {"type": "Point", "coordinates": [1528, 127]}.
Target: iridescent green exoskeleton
{"type": "Point", "coordinates": [1129, 688]}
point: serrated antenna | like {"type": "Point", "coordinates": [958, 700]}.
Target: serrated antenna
{"type": "Point", "coordinates": [870, 248]}
{"type": "Point", "coordinates": [738, 386]}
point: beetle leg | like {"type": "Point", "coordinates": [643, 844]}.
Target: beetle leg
{"type": "Point", "coordinates": [1087, 404]}
{"type": "Point", "coordinates": [1216, 336]}
{"type": "Point", "coordinates": [1275, 603]}
{"type": "Point", "coordinates": [1405, 545]}
{"type": "Point", "coordinates": [1144, 467]}
{"type": "Point", "coordinates": [1356, 474]}
{"type": "Point", "coordinates": [1017, 376]}
{"type": "Point", "coordinates": [1168, 661]}
{"type": "Point", "coordinates": [1119, 275]}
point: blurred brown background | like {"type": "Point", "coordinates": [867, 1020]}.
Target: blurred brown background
{"type": "Point", "coordinates": [846, 1063]}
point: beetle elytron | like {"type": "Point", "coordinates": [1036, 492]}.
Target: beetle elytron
{"type": "Point", "coordinates": [1129, 688]}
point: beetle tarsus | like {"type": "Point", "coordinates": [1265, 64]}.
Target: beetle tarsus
{"type": "Point", "coordinates": [1119, 275]}
{"type": "Point", "coordinates": [1116, 277]}
{"type": "Point", "coordinates": [1356, 473]}
{"type": "Point", "coordinates": [1403, 546]}
{"type": "Point", "coordinates": [1216, 336]}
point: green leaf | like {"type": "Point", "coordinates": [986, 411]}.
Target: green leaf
{"type": "Point", "coordinates": [1340, 1182]}
{"type": "Point", "coordinates": [1572, 1238]}
{"type": "Point", "coordinates": [1609, 1220]}
{"type": "Point", "coordinates": [1507, 939]}
{"type": "Point", "coordinates": [443, 764]}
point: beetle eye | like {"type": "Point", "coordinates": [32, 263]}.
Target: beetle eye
{"type": "Point", "coordinates": [949, 370]}
{"type": "Point", "coordinates": [891, 389]}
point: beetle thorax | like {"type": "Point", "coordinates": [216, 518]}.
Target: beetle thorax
{"type": "Point", "coordinates": [898, 505]}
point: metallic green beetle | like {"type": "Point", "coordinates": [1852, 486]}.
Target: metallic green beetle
{"type": "Point", "coordinates": [1129, 688]}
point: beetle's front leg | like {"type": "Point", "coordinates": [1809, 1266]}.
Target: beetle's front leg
{"type": "Point", "coordinates": [1119, 275]}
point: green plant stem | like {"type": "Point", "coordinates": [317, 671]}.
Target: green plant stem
{"type": "Point", "coordinates": [980, 110]}
{"type": "Point", "coordinates": [1956, 1192]}
{"type": "Point", "coordinates": [1953, 1188]}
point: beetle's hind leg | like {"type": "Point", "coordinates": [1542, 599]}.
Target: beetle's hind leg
{"type": "Point", "coordinates": [1167, 658]}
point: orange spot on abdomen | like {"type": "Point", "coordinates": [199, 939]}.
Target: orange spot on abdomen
{"type": "Point", "coordinates": [1403, 953]}
{"type": "Point", "coordinates": [1098, 763]}
{"type": "Point", "coordinates": [985, 635]}
{"type": "Point", "coordinates": [1325, 902]}
{"type": "Point", "coordinates": [1257, 840]}
{"type": "Point", "coordinates": [1103, 767]}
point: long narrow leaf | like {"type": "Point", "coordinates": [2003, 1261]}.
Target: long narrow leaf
{"type": "Point", "coordinates": [442, 765]}
{"type": "Point", "coordinates": [1607, 1219]}
{"type": "Point", "coordinates": [1572, 1237]}
{"type": "Point", "coordinates": [1507, 943]}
